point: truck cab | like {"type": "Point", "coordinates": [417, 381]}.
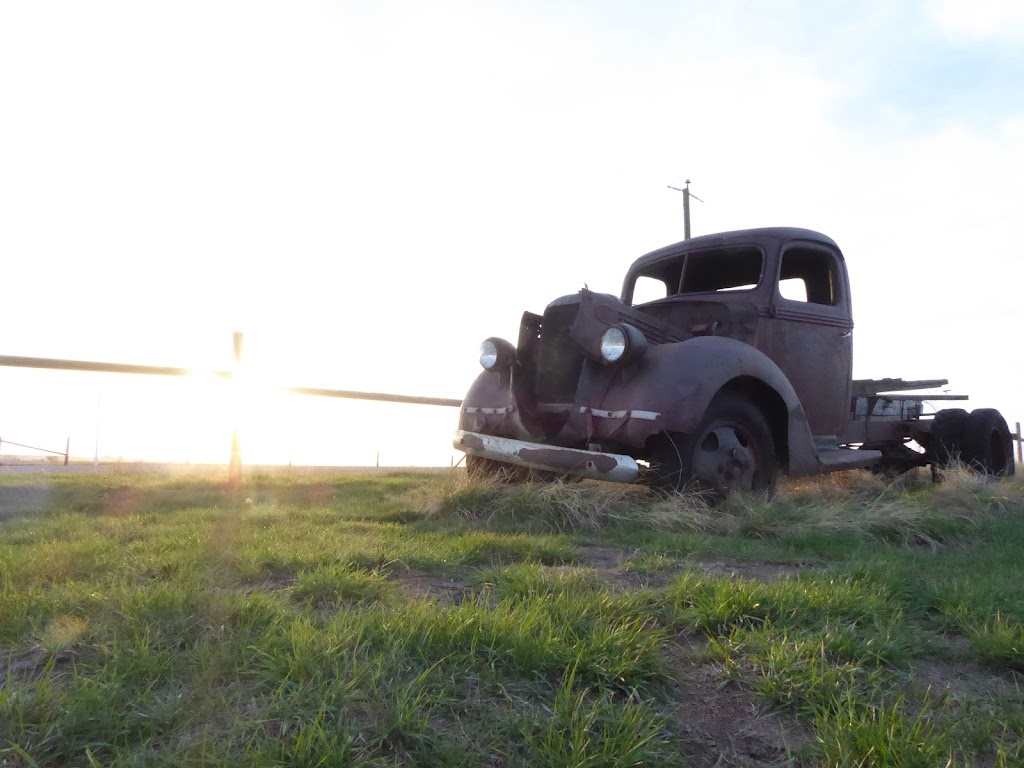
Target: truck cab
{"type": "Point", "coordinates": [783, 291]}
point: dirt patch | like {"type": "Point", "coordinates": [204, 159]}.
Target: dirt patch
{"type": "Point", "coordinates": [604, 558]}
{"type": "Point", "coordinates": [610, 563]}
{"type": "Point", "coordinates": [33, 665]}
{"type": "Point", "coordinates": [721, 722]}
{"type": "Point", "coordinates": [743, 569]}
{"type": "Point", "coordinates": [966, 681]}
{"type": "Point", "coordinates": [439, 587]}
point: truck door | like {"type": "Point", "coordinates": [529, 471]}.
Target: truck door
{"type": "Point", "coordinates": [812, 332]}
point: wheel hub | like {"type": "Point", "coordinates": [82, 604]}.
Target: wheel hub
{"type": "Point", "coordinates": [724, 458]}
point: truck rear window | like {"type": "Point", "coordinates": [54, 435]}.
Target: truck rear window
{"type": "Point", "coordinates": [736, 269]}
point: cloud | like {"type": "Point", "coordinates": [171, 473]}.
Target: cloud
{"type": "Point", "coordinates": [979, 20]}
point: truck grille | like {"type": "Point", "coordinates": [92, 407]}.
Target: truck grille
{"type": "Point", "coordinates": [558, 361]}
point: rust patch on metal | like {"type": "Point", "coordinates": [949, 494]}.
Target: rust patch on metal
{"type": "Point", "coordinates": [472, 442]}
{"type": "Point", "coordinates": [547, 456]}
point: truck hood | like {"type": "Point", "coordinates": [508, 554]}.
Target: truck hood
{"type": "Point", "coordinates": [673, 320]}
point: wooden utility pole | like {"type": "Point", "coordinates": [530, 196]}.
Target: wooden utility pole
{"type": "Point", "coordinates": [686, 207]}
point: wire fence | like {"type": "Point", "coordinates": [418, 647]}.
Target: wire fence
{"type": "Point", "coordinates": [235, 461]}
{"type": "Point", "coordinates": [65, 453]}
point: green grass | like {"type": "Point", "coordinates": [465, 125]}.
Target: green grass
{"type": "Point", "coordinates": [408, 619]}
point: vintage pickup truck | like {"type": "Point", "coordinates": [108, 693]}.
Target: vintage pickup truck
{"type": "Point", "coordinates": [727, 358]}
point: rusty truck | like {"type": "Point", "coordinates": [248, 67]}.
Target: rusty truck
{"type": "Point", "coordinates": [726, 359]}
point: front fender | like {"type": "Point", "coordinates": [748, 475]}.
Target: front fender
{"type": "Point", "coordinates": [490, 407]}
{"type": "Point", "coordinates": [678, 381]}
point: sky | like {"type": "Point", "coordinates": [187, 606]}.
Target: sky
{"type": "Point", "coordinates": [368, 189]}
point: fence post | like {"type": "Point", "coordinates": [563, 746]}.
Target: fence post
{"type": "Point", "coordinates": [1020, 445]}
{"type": "Point", "coordinates": [235, 467]}
{"type": "Point", "coordinates": [67, 451]}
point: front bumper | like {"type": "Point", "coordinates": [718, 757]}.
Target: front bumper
{"type": "Point", "coordinates": [595, 465]}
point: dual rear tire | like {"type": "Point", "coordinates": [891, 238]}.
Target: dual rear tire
{"type": "Point", "coordinates": [980, 439]}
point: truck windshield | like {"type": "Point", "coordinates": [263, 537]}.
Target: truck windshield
{"type": "Point", "coordinates": [719, 270]}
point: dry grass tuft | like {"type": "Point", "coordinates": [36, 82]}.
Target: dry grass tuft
{"type": "Point", "coordinates": [910, 509]}
{"type": "Point", "coordinates": [556, 506]}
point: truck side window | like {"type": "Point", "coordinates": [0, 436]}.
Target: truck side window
{"type": "Point", "coordinates": [656, 282]}
{"type": "Point", "coordinates": [809, 275]}
{"type": "Point", "coordinates": [647, 288]}
{"type": "Point", "coordinates": [793, 289]}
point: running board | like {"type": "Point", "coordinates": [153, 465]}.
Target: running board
{"type": "Point", "coordinates": [835, 459]}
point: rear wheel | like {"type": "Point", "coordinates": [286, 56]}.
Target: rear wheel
{"type": "Point", "coordinates": [986, 445]}
{"type": "Point", "coordinates": [945, 435]}
{"type": "Point", "coordinates": [732, 450]}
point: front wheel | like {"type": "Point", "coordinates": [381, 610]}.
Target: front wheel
{"type": "Point", "coordinates": [731, 450]}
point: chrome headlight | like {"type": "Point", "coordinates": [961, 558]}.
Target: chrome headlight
{"type": "Point", "coordinates": [622, 344]}
{"type": "Point", "coordinates": [613, 344]}
{"type": "Point", "coordinates": [496, 354]}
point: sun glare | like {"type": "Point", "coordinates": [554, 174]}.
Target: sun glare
{"type": "Point", "coordinates": [282, 428]}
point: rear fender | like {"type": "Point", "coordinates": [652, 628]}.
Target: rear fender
{"type": "Point", "coordinates": [678, 381]}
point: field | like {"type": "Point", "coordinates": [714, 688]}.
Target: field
{"type": "Point", "coordinates": [423, 620]}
